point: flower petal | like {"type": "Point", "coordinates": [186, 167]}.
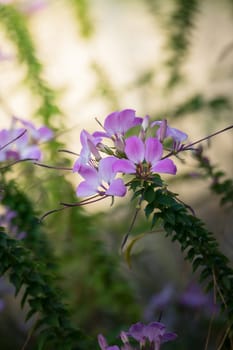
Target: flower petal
{"type": "Point", "coordinates": [106, 172]}
{"type": "Point", "coordinates": [153, 150]}
{"type": "Point", "coordinates": [126, 120]}
{"type": "Point", "coordinates": [77, 165]}
{"type": "Point", "coordinates": [100, 134]}
{"type": "Point", "coordinates": [164, 166]}
{"type": "Point", "coordinates": [102, 342]}
{"type": "Point", "coordinates": [32, 152]}
{"type": "Point", "coordinates": [44, 133]}
{"type": "Point", "coordinates": [168, 336]}
{"type": "Point", "coordinates": [117, 188]}
{"type": "Point", "coordinates": [86, 189]}
{"type": "Point", "coordinates": [154, 331]}
{"type": "Point", "coordinates": [88, 173]}
{"type": "Point", "coordinates": [111, 123]}
{"type": "Point", "coordinates": [137, 331]}
{"type": "Point", "coordinates": [124, 166]}
{"type": "Point", "coordinates": [121, 122]}
{"type": "Point", "coordinates": [176, 134]}
{"type": "Point", "coordinates": [135, 149]}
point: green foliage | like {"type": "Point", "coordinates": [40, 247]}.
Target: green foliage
{"type": "Point", "coordinates": [43, 297]}
{"type": "Point", "coordinates": [198, 102]}
{"type": "Point", "coordinates": [15, 25]}
{"type": "Point", "coordinates": [179, 27]}
{"type": "Point", "coordinates": [198, 245]}
{"type": "Point", "coordinates": [27, 221]}
{"type": "Point", "coordinates": [104, 86]}
{"type": "Point", "coordinates": [82, 12]}
{"type": "Point", "coordinates": [96, 288]}
{"type": "Point", "coordinates": [220, 185]}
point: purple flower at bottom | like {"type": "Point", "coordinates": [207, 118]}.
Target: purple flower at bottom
{"type": "Point", "coordinates": [154, 333]}
{"type": "Point", "coordinates": [149, 336]}
{"type": "Point", "coordinates": [100, 181]}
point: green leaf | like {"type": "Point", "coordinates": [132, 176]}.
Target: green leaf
{"type": "Point", "coordinates": [149, 194]}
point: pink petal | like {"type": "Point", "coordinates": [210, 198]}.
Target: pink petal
{"type": "Point", "coordinates": [117, 188]}
{"type": "Point", "coordinates": [106, 172]}
{"type": "Point", "coordinates": [102, 342]}
{"type": "Point", "coordinates": [120, 122]}
{"type": "Point", "coordinates": [45, 133]}
{"type": "Point", "coordinates": [134, 149]}
{"type": "Point", "coordinates": [153, 150]}
{"type": "Point", "coordinates": [26, 123]}
{"type": "Point", "coordinates": [124, 166]}
{"type": "Point", "coordinates": [176, 134]}
{"type": "Point", "coordinates": [165, 166]}
{"type": "Point", "coordinates": [22, 141]}
{"type": "Point", "coordinates": [32, 152]}
{"type": "Point", "coordinates": [86, 189]}
{"type": "Point", "coordinates": [111, 123]}
{"type": "Point", "coordinates": [77, 165]}
{"type": "Point", "coordinates": [88, 173]}
{"type": "Point", "coordinates": [100, 134]}
{"type": "Point", "coordinates": [126, 120]}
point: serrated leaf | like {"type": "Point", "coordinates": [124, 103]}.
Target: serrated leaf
{"type": "Point", "coordinates": [43, 339]}
{"type": "Point", "coordinates": [196, 263]}
{"type": "Point", "coordinates": [30, 314]}
{"type": "Point", "coordinates": [149, 209]}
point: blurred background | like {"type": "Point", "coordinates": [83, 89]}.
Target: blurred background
{"type": "Point", "coordinates": [64, 63]}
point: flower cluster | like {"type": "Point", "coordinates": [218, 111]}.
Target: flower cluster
{"type": "Point", "coordinates": [149, 336]}
{"type": "Point", "coordinates": [128, 145]}
{"type": "Point", "coordinates": [22, 140]}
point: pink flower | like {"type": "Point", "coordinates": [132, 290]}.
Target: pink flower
{"type": "Point", "coordinates": [144, 158]}
{"type": "Point", "coordinates": [100, 181]}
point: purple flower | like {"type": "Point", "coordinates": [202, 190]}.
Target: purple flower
{"type": "Point", "coordinates": [41, 134]}
{"type": "Point", "coordinates": [100, 181]}
{"type": "Point", "coordinates": [89, 143]}
{"type": "Point", "coordinates": [194, 298]}
{"type": "Point", "coordinates": [118, 123]}
{"type": "Point", "coordinates": [16, 145]}
{"type": "Point", "coordinates": [144, 158]}
{"type": "Point", "coordinates": [166, 131]}
{"type": "Point", "coordinates": [104, 345]}
{"type": "Point", "coordinates": [154, 333]}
